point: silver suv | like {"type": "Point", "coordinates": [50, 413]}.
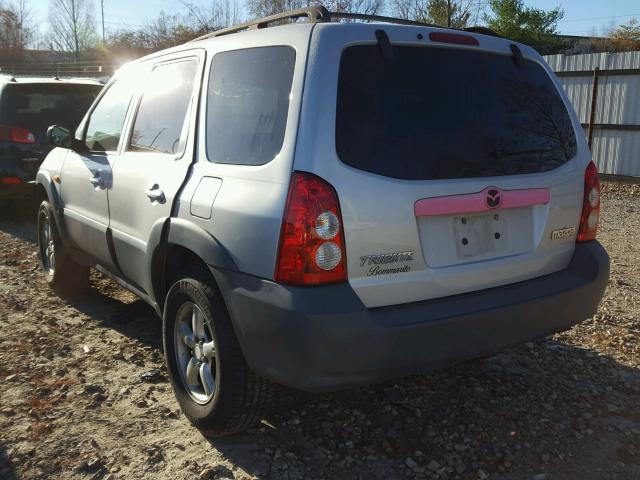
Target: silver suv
{"type": "Point", "coordinates": [323, 204]}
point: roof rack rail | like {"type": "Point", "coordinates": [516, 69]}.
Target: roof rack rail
{"type": "Point", "coordinates": [319, 14]}
{"type": "Point", "coordinates": [313, 14]}
{"type": "Point", "coordinates": [378, 18]}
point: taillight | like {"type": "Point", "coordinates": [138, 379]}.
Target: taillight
{"type": "Point", "coordinates": [590, 205]}
{"type": "Point", "coordinates": [16, 135]}
{"type": "Point", "coordinates": [10, 180]}
{"type": "Point", "coordinates": [312, 248]}
{"type": "Point", "coordinates": [445, 37]}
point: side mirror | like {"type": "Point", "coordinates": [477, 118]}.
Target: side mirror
{"type": "Point", "coordinates": [59, 136]}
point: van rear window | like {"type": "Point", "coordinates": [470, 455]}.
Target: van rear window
{"type": "Point", "coordinates": [438, 113]}
{"type": "Point", "coordinates": [38, 105]}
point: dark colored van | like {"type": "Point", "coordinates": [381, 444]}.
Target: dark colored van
{"type": "Point", "coordinates": [27, 107]}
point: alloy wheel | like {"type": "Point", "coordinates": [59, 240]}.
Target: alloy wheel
{"type": "Point", "coordinates": [47, 244]}
{"type": "Point", "coordinates": [195, 353]}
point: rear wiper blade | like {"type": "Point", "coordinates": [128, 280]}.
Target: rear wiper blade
{"type": "Point", "coordinates": [518, 59]}
{"type": "Point", "coordinates": [384, 45]}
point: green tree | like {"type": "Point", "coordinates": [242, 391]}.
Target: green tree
{"type": "Point", "coordinates": [531, 26]}
{"type": "Point", "coordinates": [450, 13]}
{"type": "Point", "coordinates": [627, 37]}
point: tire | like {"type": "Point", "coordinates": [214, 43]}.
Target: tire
{"type": "Point", "coordinates": [6, 206]}
{"type": "Point", "coordinates": [237, 398]}
{"type": "Point", "coordinates": [64, 276]}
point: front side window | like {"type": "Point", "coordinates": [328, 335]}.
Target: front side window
{"type": "Point", "coordinates": [161, 122]}
{"type": "Point", "coordinates": [439, 113]}
{"type": "Point", "coordinates": [248, 103]}
{"type": "Point", "coordinates": [107, 119]}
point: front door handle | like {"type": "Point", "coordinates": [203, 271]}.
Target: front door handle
{"type": "Point", "coordinates": [97, 180]}
{"type": "Point", "coordinates": [155, 194]}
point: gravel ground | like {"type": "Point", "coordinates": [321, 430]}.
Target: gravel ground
{"type": "Point", "coordinates": [83, 395]}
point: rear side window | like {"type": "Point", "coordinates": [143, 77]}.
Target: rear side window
{"type": "Point", "coordinates": [438, 113]}
{"type": "Point", "coordinates": [39, 105]}
{"type": "Point", "coordinates": [161, 122]}
{"type": "Point", "coordinates": [247, 104]}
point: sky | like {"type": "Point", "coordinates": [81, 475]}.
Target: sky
{"type": "Point", "coordinates": [581, 16]}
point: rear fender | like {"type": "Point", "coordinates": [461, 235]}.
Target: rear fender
{"type": "Point", "coordinates": [170, 232]}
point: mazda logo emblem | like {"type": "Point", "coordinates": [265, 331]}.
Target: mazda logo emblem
{"type": "Point", "coordinates": [493, 198]}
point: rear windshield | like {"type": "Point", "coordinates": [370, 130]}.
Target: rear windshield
{"type": "Point", "coordinates": [37, 106]}
{"type": "Point", "coordinates": [438, 113]}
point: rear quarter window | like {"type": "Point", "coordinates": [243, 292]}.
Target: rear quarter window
{"type": "Point", "coordinates": [248, 103]}
{"type": "Point", "coordinates": [442, 113]}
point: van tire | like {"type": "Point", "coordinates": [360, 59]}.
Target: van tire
{"type": "Point", "coordinates": [7, 207]}
{"type": "Point", "coordinates": [240, 397]}
{"type": "Point", "coordinates": [64, 276]}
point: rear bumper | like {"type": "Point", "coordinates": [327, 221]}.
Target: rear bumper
{"type": "Point", "coordinates": [22, 191]}
{"type": "Point", "coordinates": [15, 166]}
{"type": "Point", "coordinates": [324, 338]}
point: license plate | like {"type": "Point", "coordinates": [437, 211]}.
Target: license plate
{"type": "Point", "coordinates": [481, 234]}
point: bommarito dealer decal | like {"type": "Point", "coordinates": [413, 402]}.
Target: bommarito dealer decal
{"type": "Point", "coordinates": [378, 263]}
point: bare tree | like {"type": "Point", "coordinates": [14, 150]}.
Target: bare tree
{"type": "Point", "coordinates": [26, 23]}
{"type": "Point", "coordinates": [166, 30]}
{"type": "Point", "coordinates": [219, 14]}
{"type": "Point", "coordinates": [368, 7]}
{"type": "Point", "coordinates": [17, 29]}
{"type": "Point", "coordinates": [408, 9]}
{"type": "Point", "coordinates": [447, 13]}
{"type": "Point", "coordinates": [263, 8]}
{"type": "Point", "coordinates": [72, 27]}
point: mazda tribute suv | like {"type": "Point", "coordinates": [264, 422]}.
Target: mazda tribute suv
{"type": "Point", "coordinates": [323, 204]}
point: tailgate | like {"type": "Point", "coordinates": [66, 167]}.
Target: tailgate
{"type": "Point", "coordinates": [457, 167]}
{"type": "Point", "coordinates": [408, 250]}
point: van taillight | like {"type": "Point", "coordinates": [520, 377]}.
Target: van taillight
{"type": "Point", "coordinates": [16, 135]}
{"type": "Point", "coordinates": [590, 205]}
{"type": "Point", "coordinates": [312, 250]}
{"type": "Point", "coordinates": [10, 181]}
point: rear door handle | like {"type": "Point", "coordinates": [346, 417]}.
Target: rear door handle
{"type": "Point", "coordinates": [97, 180]}
{"type": "Point", "coordinates": [155, 194]}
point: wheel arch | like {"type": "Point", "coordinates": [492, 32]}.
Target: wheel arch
{"type": "Point", "coordinates": [46, 190]}
{"type": "Point", "coordinates": [40, 193]}
{"type": "Point", "coordinates": [44, 186]}
{"type": "Point", "coordinates": [177, 244]}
